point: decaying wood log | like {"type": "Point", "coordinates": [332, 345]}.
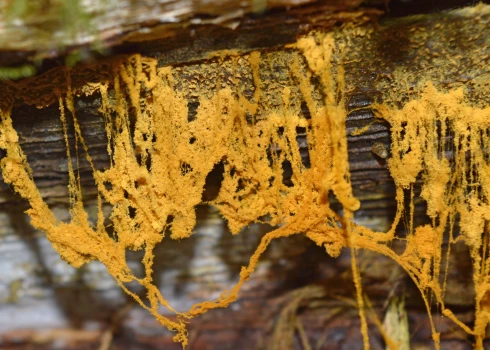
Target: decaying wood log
{"type": "Point", "coordinates": [46, 303]}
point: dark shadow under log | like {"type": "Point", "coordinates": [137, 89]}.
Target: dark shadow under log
{"type": "Point", "coordinates": [44, 301]}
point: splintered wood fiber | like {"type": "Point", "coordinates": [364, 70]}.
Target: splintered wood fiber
{"type": "Point", "coordinates": [247, 117]}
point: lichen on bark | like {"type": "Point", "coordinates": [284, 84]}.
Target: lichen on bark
{"type": "Point", "coordinates": [162, 151]}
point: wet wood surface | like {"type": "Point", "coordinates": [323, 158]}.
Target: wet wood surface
{"type": "Point", "coordinates": [43, 301]}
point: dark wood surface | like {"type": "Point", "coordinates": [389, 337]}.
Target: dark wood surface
{"type": "Point", "coordinates": [41, 293]}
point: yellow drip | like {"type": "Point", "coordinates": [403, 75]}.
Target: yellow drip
{"type": "Point", "coordinates": [252, 187]}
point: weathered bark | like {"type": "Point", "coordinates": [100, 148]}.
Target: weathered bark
{"type": "Point", "coordinates": [41, 292]}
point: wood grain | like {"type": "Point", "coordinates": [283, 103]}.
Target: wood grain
{"type": "Point", "coordinates": [40, 292]}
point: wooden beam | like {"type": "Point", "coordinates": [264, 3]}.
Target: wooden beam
{"type": "Point", "coordinates": [449, 49]}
